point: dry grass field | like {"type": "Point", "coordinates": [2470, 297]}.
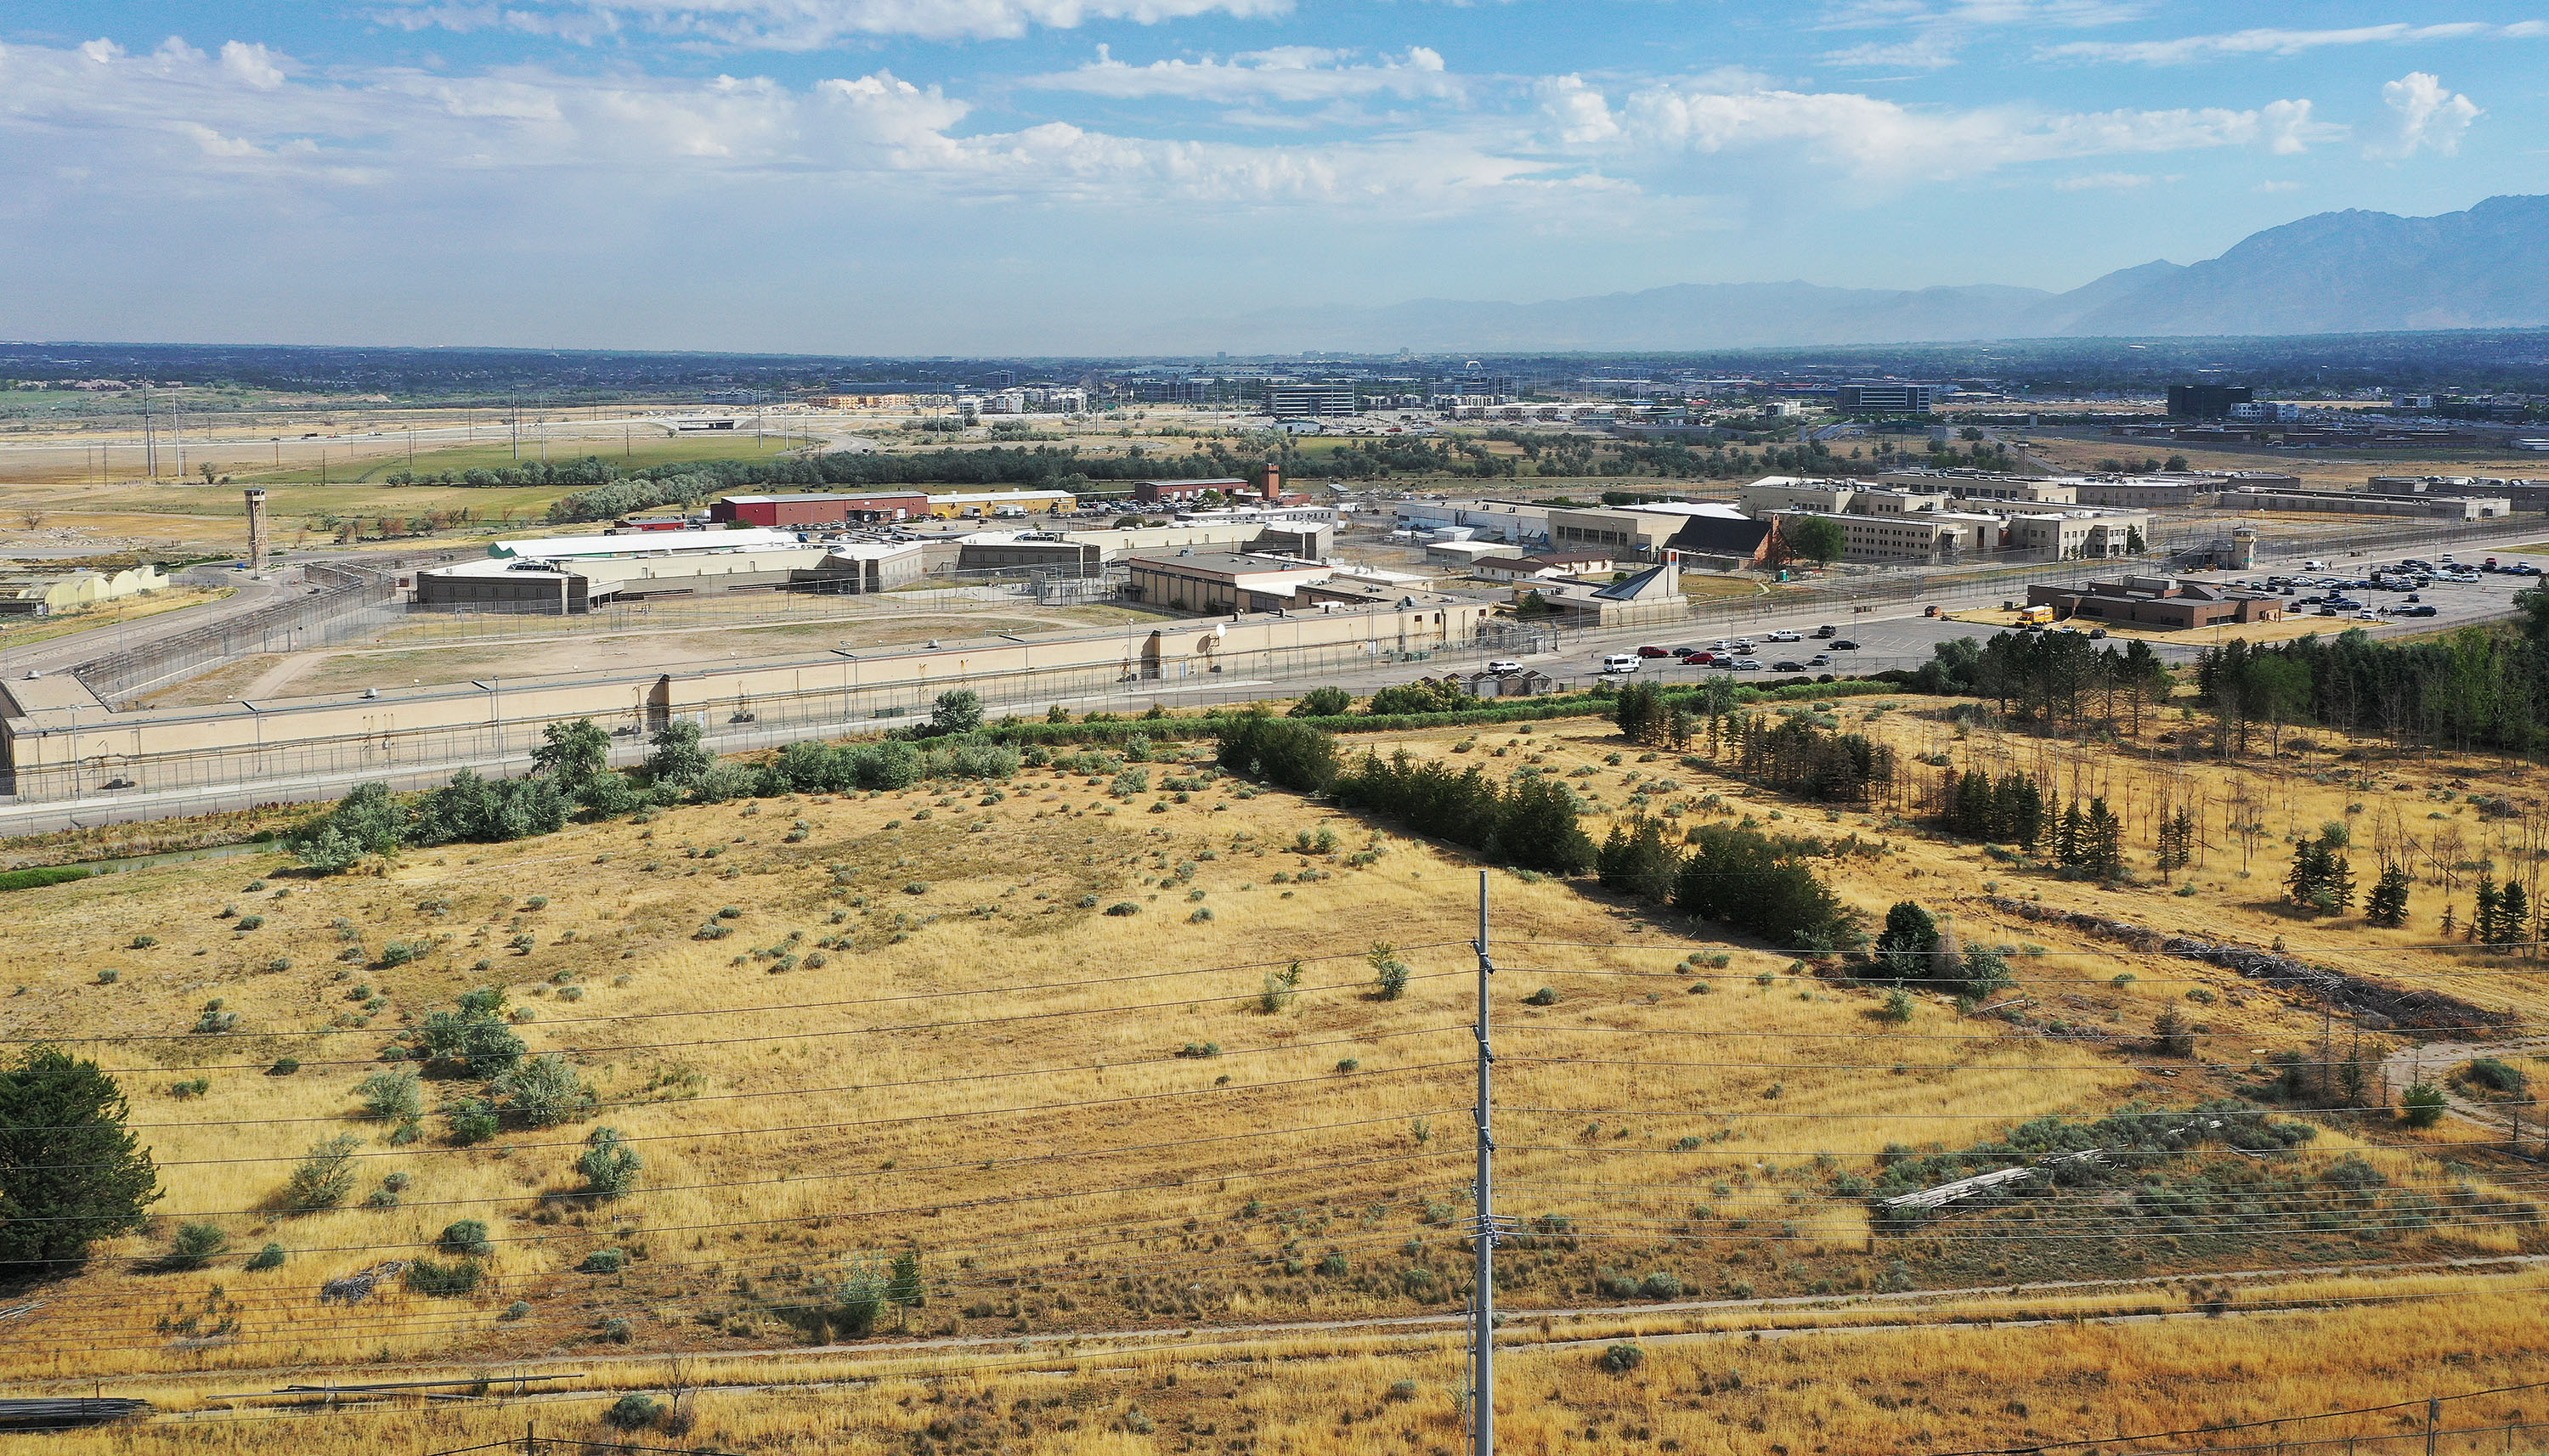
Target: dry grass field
{"type": "Point", "coordinates": [1026, 1032]}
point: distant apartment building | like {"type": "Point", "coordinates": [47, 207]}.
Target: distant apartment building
{"type": "Point", "coordinates": [2265, 410]}
{"type": "Point", "coordinates": [1887, 398]}
{"type": "Point", "coordinates": [2207, 401]}
{"type": "Point", "coordinates": [1311, 402]}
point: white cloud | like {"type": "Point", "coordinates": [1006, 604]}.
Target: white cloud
{"type": "Point", "coordinates": [1941, 32]}
{"type": "Point", "coordinates": [2274, 41]}
{"type": "Point", "coordinates": [2104, 182]}
{"type": "Point", "coordinates": [2285, 186]}
{"type": "Point", "coordinates": [1880, 138]}
{"type": "Point", "coordinates": [804, 25]}
{"type": "Point", "coordinates": [1293, 73]}
{"type": "Point", "coordinates": [252, 63]}
{"type": "Point", "coordinates": [877, 134]}
{"type": "Point", "coordinates": [2429, 116]}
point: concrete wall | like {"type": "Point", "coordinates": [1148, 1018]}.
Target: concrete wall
{"type": "Point", "coordinates": [68, 752]}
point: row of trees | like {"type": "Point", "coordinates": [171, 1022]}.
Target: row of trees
{"type": "Point", "coordinates": [1530, 823]}
{"type": "Point", "coordinates": [1761, 883]}
{"type": "Point", "coordinates": [2473, 689]}
{"type": "Point", "coordinates": [1795, 756]}
{"type": "Point", "coordinates": [2062, 679]}
{"type": "Point", "coordinates": [615, 492]}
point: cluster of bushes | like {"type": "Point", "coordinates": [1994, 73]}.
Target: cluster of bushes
{"type": "Point", "coordinates": [2132, 1143]}
{"type": "Point", "coordinates": [1532, 823]}
{"type": "Point", "coordinates": [28, 879]}
{"type": "Point", "coordinates": [469, 809]}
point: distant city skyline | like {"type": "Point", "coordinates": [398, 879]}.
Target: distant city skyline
{"type": "Point", "coordinates": [1026, 176]}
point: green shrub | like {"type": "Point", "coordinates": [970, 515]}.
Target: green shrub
{"type": "Point", "coordinates": [196, 1244]}
{"type": "Point", "coordinates": [635, 1411]}
{"type": "Point", "coordinates": [602, 1261]}
{"type": "Point", "coordinates": [28, 879]}
{"type": "Point", "coordinates": [268, 1257]}
{"type": "Point", "coordinates": [324, 1177]}
{"type": "Point", "coordinates": [442, 1281]}
{"type": "Point", "coordinates": [466, 1236]}
{"type": "Point", "coordinates": [1545, 996]}
{"type": "Point", "coordinates": [609, 1164]}
{"type": "Point", "coordinates": [1620, 1359]}
{"type": "Point", "coordinates": [2422, 1106]}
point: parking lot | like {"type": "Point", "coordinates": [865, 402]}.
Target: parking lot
{"type": "Point", "coordinates": [1904, 641]}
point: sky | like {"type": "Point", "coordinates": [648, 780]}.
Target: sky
{"type": "Point", "coordinates": [1045, 176]}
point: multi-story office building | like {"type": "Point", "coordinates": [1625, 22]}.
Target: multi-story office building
{"type": "Point", "coordinates": [1887, 398]}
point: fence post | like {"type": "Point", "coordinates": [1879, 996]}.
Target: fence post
{"type": "Point", "coordinates": [2434, 1418]}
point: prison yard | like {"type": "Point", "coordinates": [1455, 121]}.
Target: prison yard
{"type": "Point", "coordinates": [1075, 1085]}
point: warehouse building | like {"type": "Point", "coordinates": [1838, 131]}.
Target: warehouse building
{"type": "Point", "coordinates": [2349, 503]}
{"type": "Point", "coordinates": [648, 543]}
{"type": "Point", "coordinates": [568, 586]}
{"type": "Point", "coordinates": [819, 509]}
{"type": "Point", "coordinates": [1001, 503]}
{"type": "Point", "coordinates": [1220, 581]}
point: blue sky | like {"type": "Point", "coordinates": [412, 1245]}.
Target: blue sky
{"type": "Point", "coordinates": [946, 176]}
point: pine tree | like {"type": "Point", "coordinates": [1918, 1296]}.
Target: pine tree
{"type": "Point", "coordinates": [902, 1288]}
{"type": "Point", "coordinates": [2102, 846]}
{"type": "Point", "coordinates": [1909, 946]}
{"type": "Point", "coordinates": [2482, 922]}
{"type": "Point", "coordinates": [2337, 888]}
{"type": "Point", "coordinates": [70, 1172]}
{"type": "Point", "coordinates": [2447, 922]}
{"type": "Point", "coordinates": [2067, 836]}
{"type": "Point", "coordinates": [2386, 905]}
{"type": "Point", "coordinates": [2513, 916]}
{"type": "Point", "coordinates": [2308, 874]}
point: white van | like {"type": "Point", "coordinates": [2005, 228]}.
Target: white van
{"type": "Point", "coordinates": [1620, 662]}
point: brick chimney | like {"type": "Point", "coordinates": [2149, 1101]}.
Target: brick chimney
{"type": "Point", "coordinates": [1269, 482]}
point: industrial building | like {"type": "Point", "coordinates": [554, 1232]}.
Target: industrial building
{"type": "Point", "coordinates": [1518, 523]}
{"type": "Point", "coordinates": [2350, 502]}
{"type": "Point", "coordinates": [567, 586]}
{"type": "Point", "coordinates": [41, 593]}
{"type": "Point", "coordinates": [2525, 495]}
{"type": "Point", "coordinates": [1987, 485]}
{"type": "Point", "coordinates": [650, 543]}
{"type": "Point", "coordinates": [1001, 503]}
{"type": "Point", "coordinates": [1220, 581]}
{"type": "Point", "coordinates": [1652, 595]}
{"type": "Point", "coordinates": [1181, 493]}
{"type": "Point", "coordinates": [819, 509]}
{"type": "Point", "coordinates": [2158, 601]}
{"type": "Point", "coordinates": [1546, 564]}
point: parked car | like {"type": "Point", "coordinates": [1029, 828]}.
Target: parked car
{"type": "Point", "coordinates": [2419, 611]}
{"type": "Point", "coordinates": [2096, 632]}
{"type": "Point", "coordinates": [1504, 668]}
{"type": "Point", "coordinates": [1650, 650]}
{"type": "Point", "coordinates": [1620, 662]}
{"type": "Point", "coordinates": [1843, 644]}
{"type": "Point", "coordinates": [1787, 667]}
{"type": "Point", "coordinates": [2327, 611]}
{"type": "Point", "coordinates": [1747, 664]}
{"type": "Point", "coordinates": [1784, 635]}
{"type": "Point", "coordinates": [1820, 660]}
{"type": "Point", "coordinates": [1826, 631]}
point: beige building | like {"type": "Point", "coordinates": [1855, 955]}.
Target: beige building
{"type": "Point", "coordinates": [1987, 485]}
{"type": "Point", "coordinates": [1220, 581]}
{"type": "Point", "coordinates": [1617, 532]}
{"type": "Point", "coordinates": [2077, 535]}
{"type": "Point", "coordinates": [2350, 502]}
{"type": "Point", "coordinates": [1923, 537]}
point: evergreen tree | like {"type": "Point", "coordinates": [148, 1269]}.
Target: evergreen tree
{"type": "Point", "coordinates": [2513, 916]}
{"type": "Point", "coordinates": [1907, 948]}
{"type": "Point", "coordinates": [1636, 861]}
{"type": "Point", "coordinates": [2023, 810]}
{"type": "Point", "coordinates": [2481, 921]}
{"type": "Point", "coordinates": [70, 1172]}
{"type": "Point", "coordinates": [902, 1288]}
{"type": "Point", "coordinates": [2447, 922]}
{"type": "Point", "coordinates": [2102, 846]}
{"type": "Point", "coordinates": [2067, 836]}
{"type": "Point", "coordinates": [2386, 905]}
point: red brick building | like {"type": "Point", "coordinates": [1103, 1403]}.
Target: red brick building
{"type": "Point", "coordinates": [818, 510]}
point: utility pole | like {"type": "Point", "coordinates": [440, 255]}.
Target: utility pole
{"type": "Point", "coordinates": [1482, 1394]}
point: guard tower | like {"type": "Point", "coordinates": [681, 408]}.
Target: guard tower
{"type": "Point", "coordinates": [2243, 548]}
{"type": "Point", "coordinates": [257, 534]}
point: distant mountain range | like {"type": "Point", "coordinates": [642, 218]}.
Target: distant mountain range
{"type": "Point", "coordinates": [2348, 272]}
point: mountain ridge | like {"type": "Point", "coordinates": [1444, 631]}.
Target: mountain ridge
{"type": "Point", "coordinates": [2352, 271]}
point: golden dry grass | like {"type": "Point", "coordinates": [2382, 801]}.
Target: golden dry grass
{"type": "Point", "coordinates": [985, 1067]}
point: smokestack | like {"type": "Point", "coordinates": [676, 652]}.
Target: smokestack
{"type": "Point", "coordinates": [256, 539]}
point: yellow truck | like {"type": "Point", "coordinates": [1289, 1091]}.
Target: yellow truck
{"type": "Point", "coordinates": [2034, 616]}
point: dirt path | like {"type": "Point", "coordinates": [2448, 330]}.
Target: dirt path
{"type": "Point", "coordinates": [2434, 1061]}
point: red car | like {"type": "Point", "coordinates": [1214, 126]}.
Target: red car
{"type": "Point", "coordinates": [1650, 650]}
{"type": "Point", "coordinates": [1698, 657]}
